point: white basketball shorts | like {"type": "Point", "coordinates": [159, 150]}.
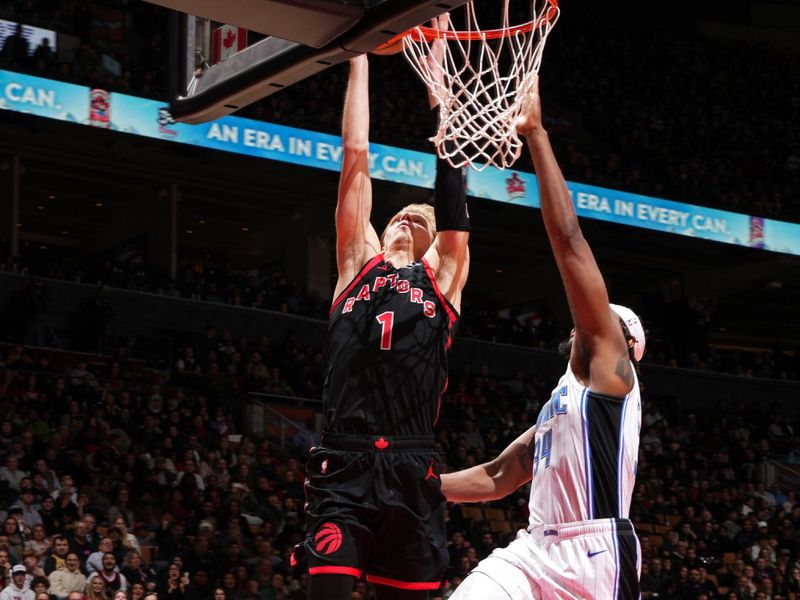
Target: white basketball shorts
{"type": "Point", "coordinates": [585, 560]}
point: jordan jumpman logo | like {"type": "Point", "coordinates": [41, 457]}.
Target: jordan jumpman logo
{"type": "Point", "coordinates": [431, 473]}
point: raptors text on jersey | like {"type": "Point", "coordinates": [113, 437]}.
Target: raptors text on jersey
{"type": "Point", "coordinates": [386, 351]}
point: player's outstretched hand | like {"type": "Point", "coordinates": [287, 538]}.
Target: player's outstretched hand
{"type": "Point", "coordinates": [436, 56]}
{"type": "Point", "coordinates": [530, 117]}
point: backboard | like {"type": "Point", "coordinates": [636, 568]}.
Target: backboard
{"type": "Point", "coordinates": [304, 37]}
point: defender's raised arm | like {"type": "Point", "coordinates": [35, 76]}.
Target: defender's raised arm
{"type": "Point", "coordinates": [599, 351]}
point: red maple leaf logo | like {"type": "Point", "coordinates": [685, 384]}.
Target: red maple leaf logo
{"type": "Point", "coordinates": [230, 38]}
{"type": "Point", "coordinates": [381, 444]}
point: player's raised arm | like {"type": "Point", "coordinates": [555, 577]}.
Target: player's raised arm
{"type": "Point", "coordinates": [356, 240]}
{"type": "Point", "coordinates": [495, 479]}
{"type": "Point", "coordinates": [599, 351]}
{"type": "Point", "coordinates": [449, 254]}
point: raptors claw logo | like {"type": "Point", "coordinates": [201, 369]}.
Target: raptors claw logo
{"type": "Point", "coordinates": [328, 539]}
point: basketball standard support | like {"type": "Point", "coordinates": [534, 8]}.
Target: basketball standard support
{"type": "Point", "coordinates": [322, 34]}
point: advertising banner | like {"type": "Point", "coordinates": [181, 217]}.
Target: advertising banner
{"type": "Point", "coordinates": [151, 118]}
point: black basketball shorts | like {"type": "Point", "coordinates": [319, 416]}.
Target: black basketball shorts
{"type": "Point", "coordinates": [375, 506]}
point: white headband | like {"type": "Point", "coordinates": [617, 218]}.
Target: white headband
{"type": "Point", "coordinates": [634, 324]}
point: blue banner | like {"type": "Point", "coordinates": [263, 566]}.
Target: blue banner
{"type": "Point", "coordinates": [150, 118]}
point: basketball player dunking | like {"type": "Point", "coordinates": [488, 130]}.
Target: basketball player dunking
{"type": "Point", "coordinates": [375, 505]}
{"type": "Point", "coordinates": [582, 452]}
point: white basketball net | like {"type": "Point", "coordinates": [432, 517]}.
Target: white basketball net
{"type": "Point", "coordinates": [478, 104]}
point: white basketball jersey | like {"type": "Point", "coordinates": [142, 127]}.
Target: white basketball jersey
{"type": "Point", "coordinates": [585, 454]}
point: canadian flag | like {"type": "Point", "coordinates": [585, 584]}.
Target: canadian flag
{"type": "Point", "coordinates": [227, 41]}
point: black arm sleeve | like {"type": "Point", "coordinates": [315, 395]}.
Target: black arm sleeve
{"type": "Point", "coordinates": [450, 196]}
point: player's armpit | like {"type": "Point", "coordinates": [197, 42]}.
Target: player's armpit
{"type": "Point", "coordinates": [624, 370]}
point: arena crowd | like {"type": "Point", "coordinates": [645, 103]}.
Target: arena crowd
{"type": "Point", "coordinates": [150, 478]}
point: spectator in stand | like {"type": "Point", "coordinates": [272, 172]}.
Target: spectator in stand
{"type": "Point", "coordinates": [16, 49]}
{"type": "Point", "coordinates": [47, 480]}
{"type": "Point", "coordinates": [16, 589]}
{"type": "Point", "coordinates": [113, 580]}
{"type": "Point", "coordinates": [232, 559]}
{"type": "Point", "coordinates": [14, 539]}
{"type": "Point", "coordinates": [135, 571]}
{"type": "Point", "coordinates": [35, 573]}
{"type": "Point", "coordinates": [266, 554]}
{"type": "Point", "coordinates": [27, 505]}
{"type": "Point", "coordinates": [96, 589]}
{"type": "Point", "coordinates": [229, 589]}
{"type": "Point", "coordinates": [92, 536]}
{"type": "Point", "coordinates": [171, 539]}
{"type": "Point", "coordinates": [44, 55]}
{"type": "Point", "coordinates": [127, 540]}
{"type": "Point", "coordinates": [38, 543]}
{"type": "Point", "coordinates": [276, 590]}
{"type": "Point", "coordinates": [11, 472]}
{"type": "Point", "coordinates": [138, 591]}
{"type": "Point", "coordinates": [68, 579]}
{"type": "Point", "coordinates": [652, 583]}
{"type": "Point", "coordinates": [215, 467]}
{"type": "Point", "coordinates": [200, 587]}
{"type": "Point", "coordinates": [190, 473]}
{"type": "Point", "coordinates": [5, 568]}
{"type": "Point", "coordinates": [65, 510]}
{"type": "Point", "coordinates": [79, 541]}
{"type": "Point", "coordinates": [57, 557]}
{"type": "Point", "coordinates": [95, 561]}
{"type": "Point", "coordinates": [172, 585]}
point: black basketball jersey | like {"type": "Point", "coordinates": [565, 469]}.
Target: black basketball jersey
{"type": "Point", "coordinates": [386, 352]}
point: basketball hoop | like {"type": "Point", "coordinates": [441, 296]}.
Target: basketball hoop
{"type": "Point", "coordinates": [479, 79]}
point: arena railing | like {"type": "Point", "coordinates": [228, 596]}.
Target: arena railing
{"type": "Point", "coordinates": [282, 417]}
{"type": "Point", "coordinates": [137, 313]}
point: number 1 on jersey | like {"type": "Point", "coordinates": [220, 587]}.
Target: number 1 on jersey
{"type": "Point", "coordinates": [386, 319]}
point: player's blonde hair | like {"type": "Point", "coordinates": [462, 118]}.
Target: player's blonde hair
{"type": "Point", "coordinates": [426, 210]}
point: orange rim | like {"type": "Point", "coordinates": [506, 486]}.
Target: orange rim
{"type": "Point", "coordinates": [429, 34]}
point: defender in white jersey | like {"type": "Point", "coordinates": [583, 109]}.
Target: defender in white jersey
{"type": "Point", "coordinates": [581, 454]}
